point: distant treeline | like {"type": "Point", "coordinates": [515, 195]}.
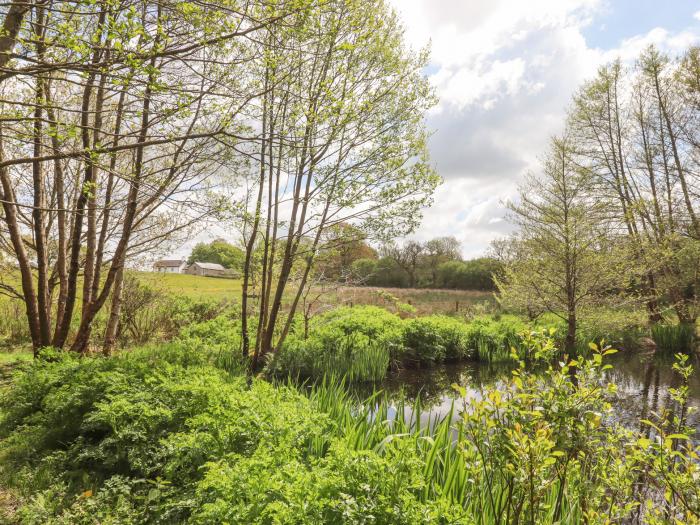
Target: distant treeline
{"type": "Point", "coordinates": [474, 274]}
{"type": "Point", "coordinates": [436, 263]}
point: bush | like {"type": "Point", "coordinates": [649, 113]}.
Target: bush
{"type": "Point", "coordinates": [435, 339]}
{"type": "Point", "coordinates": [357, 342]}
{"type": "Point", "coordinates": [161, 436]}
{"type": "Point", "coordinates": [143, 423]}
{"type": "Point", "coordinates": [475, 274]}
{"type": "Point", "coordinates": [492, 340]}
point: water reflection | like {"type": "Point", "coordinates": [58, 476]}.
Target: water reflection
{"type": "Point", "coordinates": [643, 382]}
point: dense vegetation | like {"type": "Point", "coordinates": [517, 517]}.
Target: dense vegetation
{"type": "Point", "coordinates": [298, 127]}
{"type": "Point", "coordinates": [454, 274]}
{"type": "Point", "coordinates": [164, 435]}
{"type": "Point", "coordinates": [611, 217]}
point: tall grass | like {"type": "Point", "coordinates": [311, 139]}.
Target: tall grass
{"type": "Point", "coordinates": [674, 338]}
{"type": "Point", "coordinates": [537, 450]}
{"type": "Point", "coordinates": [452, 468]}
{"type": "Point", "coordinates": [14, 330]}
{"type": "Point", "coordinates": [492, 339]}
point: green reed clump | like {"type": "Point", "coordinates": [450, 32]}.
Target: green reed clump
{"type": "Point", "coordinates": [537, 449]}
{"type": "Point", "coordinates": [492, 340]}
{"type": "Point", "coordinates": [674, 338]}
{"type": "Point", "coordinates": [358, 342]}
{"type": "Point", "coordinates": [435, 339]}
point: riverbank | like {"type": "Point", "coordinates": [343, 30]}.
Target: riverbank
{"type": "Point", "coordinates": [166, 435]}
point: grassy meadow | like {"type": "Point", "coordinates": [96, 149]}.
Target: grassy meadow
{"type": "Point", "coordinates": [193, 286]}
{"type": "Point", "coordinates": [425, 301]}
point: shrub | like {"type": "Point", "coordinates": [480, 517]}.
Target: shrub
{"type": "Point", "coordinates": [142, 424]}
{"type": "Point", "coordinates": [621, 328]}
{"type": "Point", "coordinates": [435, 339]}
{"type": "Point", "coordinates": [161, 436]}
{"type": "Point", "coordinates": [14, 329]}
{"type": "Point", "coordinates": [358, 342]}
{"type": "Point", "coordinates": [345, 486]}
{"type": "Point", "coordinates": [491, 340]}
{"type": "Point", "coordinates": [219, 337]}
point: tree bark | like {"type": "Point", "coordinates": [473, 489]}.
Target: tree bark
{"type": "Point", "coordinates": [10, 29]}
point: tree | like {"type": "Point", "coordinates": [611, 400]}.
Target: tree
{"type": "Point", "coordinates": [407, 257]}
{"type": "Point", "coordinates": [116, 115]}
{"type": "Point", "coordinates": [636, 133]}
{"type": "Point", "coordinates": [218, 251]}
{"type": "Point", "coordinates": [475, 274]}
{"type": "Point", "coordinates": [341, 140]}
{"type": "Point", "coordinates": [564, 259]}
{"type": "Point", "coordinates": [345, 244]}
{"type": "Point", "coordinates": [439, 251]}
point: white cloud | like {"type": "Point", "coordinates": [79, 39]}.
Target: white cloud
{"type": "Point", "coordinates": [505, 71]}
{"type": "Point", "coordinates": [697, 15]}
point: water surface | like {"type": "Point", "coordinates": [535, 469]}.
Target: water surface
{"type": "Point", "coordinates": [643, 382]}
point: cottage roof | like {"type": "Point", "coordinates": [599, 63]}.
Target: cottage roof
{"type": "Point", "coordinates": [209, 266]}
{"type": "Point", "coordinates": [169, 262]}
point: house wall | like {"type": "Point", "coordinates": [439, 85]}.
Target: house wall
{"type": "Point", "coordinates": [168, 269]}
{"type": "Point", "coordinates": [196, 270]}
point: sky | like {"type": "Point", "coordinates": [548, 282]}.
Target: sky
{"type": "Point", "coordinates": [505, 72]}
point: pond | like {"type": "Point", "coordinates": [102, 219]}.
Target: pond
{"type": "Point", "coordinates": [643, 382]}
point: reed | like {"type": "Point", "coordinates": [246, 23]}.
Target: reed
{"type": "Point", "coordinates": [455, 467]}
{"type": "Point", "coordinates": [674, 338]}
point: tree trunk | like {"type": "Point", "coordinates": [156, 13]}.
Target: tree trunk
{"type": "Point", "coordinates": [10, 29]}
{"type": "Point", "coordinates": [570, 344]}
{"type": "Point", "coordinates": [113, 323]}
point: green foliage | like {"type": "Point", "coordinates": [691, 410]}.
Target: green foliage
{"type": "Point", "coordinates": [436, 339]}
{"type": "Point", "coordinates": [492, 339]}
{"type": "Point", "coordinates": [475, 274]}
{"type": "Point", "coordinates": [383, 272]}
{"type": "Point", "coordinates": [13, 328]}
{"type": "Point", "coordinates": [161, 436]}
{"type": "Point", "coordinates": [674, 338]}
{"type": "Point", "coordinates": [218, 251]}
{"type": "Point", "coordinates": [142, 424]}
{"type": "Point", "coordinates": [358, 342]}
{"type": "Point", "coordinates": [364, 343]}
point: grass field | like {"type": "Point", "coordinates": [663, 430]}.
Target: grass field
{"type": "Point", "coordinates": [425, 301]}
{"type": "Point", "coordinates": [193, 286]}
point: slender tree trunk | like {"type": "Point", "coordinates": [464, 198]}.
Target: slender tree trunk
{"type": "Point", "coordinates": [61, 216]}
{"type": "Point", "coordinates": [90, 268]}
{"type": "Point", "coordinates": [82, 337]}
{"type": "Point", "coordinates": [113, 322]}
{"type": "Point", "coordinates": [30, 299]}
{"type": "Point", "coordinates": [10, 29]}
{"type": "Point", "coordinates": [250, 245]}
{"type": "Point", "coordinates": [676, 157]}
{"type": "Point", "coordinates": [39, 209]}
{"type": "Point", "coordinates": [82, 200]}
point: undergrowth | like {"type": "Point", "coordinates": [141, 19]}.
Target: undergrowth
{"type": "Point", "coordinates": [161, 435]}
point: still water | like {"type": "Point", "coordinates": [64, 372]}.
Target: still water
{"type": "Point", "coordinates": [643, 382]}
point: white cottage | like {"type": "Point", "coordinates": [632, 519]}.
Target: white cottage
{"type": "Point", "coordinates": [170, 266]}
